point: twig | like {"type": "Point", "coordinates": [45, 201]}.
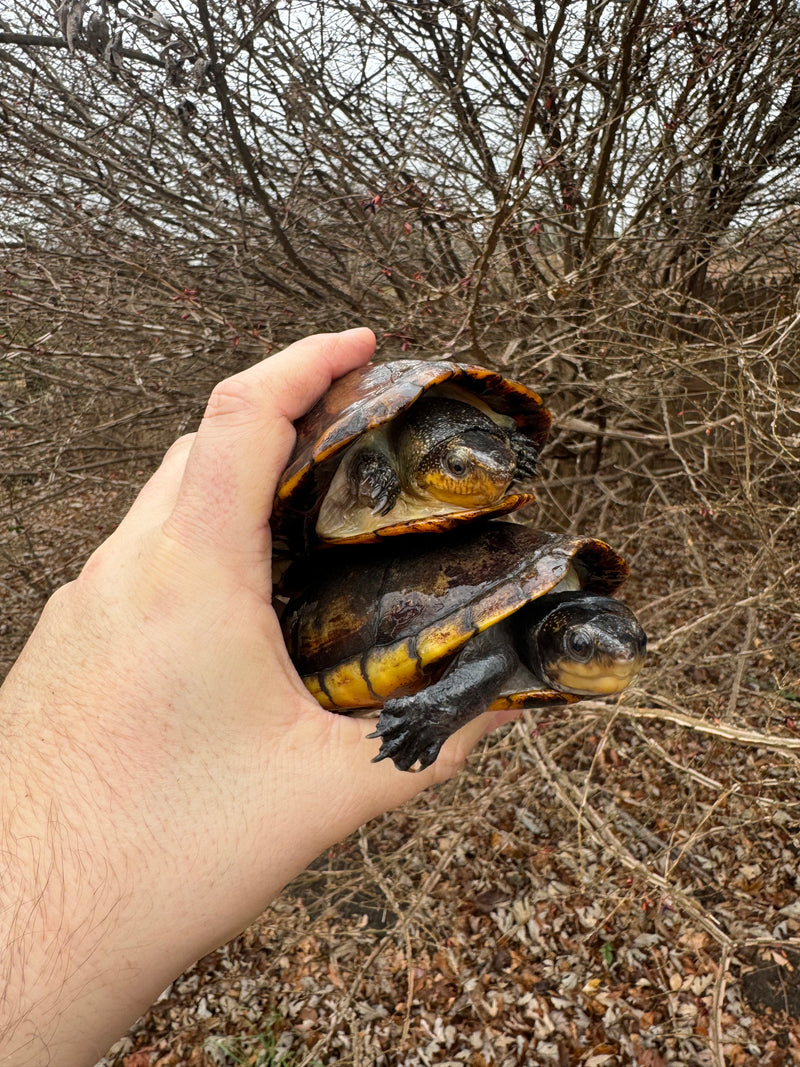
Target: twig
{"type": "Point", "coordinates": [705, 726]}
{"type": "Point", "coordinates": [717, 1001]}
{"type": "Point", "coordinates": [741, 661]}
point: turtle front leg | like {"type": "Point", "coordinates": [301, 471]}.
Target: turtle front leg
{"type": "Point", "coordinates": [526, 454]}
{"type": "Point", "coordinates": [414, 728]}
{"type": "Point", "coordinates": [373, 481]}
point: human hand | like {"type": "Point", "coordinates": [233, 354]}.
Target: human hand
{"type": "Point", "coordinates": [167, 771]}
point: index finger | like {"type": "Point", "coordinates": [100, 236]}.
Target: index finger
{"type": "Point", "coordinates": [244, 441]}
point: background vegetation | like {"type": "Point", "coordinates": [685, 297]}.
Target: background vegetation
{"type": "Point", "coordinates": [598, 198]}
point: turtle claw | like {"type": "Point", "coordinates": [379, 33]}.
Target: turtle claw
{"type": "Point", "coordinates": [375, 483]}
{"type": "Point", "coordinates": [384, 500]}
{"type": "Point", "coordinates": [404, 738]}
{"type": "Point", "coordinates": [404, 760]}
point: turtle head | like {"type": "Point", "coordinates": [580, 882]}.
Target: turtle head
{"type": "Point", "coordinates": [451, 451]}
{"type": "Point", "coordinates": [583, 643]}
{"type": "Point", "coordinates": [471, 469]}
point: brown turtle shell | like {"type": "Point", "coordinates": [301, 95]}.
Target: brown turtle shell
{"type": "Point", "coordinates": [367, 398]}
{"type": "Point", "coordinates": [390, 618]}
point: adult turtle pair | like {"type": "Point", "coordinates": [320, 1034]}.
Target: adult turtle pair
{"type": "Point", "coordinates": [436, 629]}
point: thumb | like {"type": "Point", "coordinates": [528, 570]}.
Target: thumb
{"type": "Point", "coordinates": [244, 440]}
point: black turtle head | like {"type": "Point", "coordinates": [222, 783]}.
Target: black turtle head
{"type": "Point", "coordinates": [583, 643]}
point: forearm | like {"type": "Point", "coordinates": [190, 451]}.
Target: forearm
{"type": "Point", "coordinates": [106, 891]}
{"type": "Point", "coordinates": [63, 911]}
{"type": "Point", "coordinates": [73, 970]}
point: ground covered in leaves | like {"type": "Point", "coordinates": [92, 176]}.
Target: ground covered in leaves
{"type": "Point", "coordinates": [549, 906]}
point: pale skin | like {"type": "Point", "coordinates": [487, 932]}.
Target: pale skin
{"type": "Point", "coordinates": [163, 771]}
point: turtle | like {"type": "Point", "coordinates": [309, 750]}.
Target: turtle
{"type": "Point", "coordinates": [409, 446]}
{"type": "Point", "coordinates": [435, 630]}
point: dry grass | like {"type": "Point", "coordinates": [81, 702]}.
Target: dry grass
{"type": "Point", "coordinates": [611, 884]}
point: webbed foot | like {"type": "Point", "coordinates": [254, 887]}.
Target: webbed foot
{"type": "Point", "coordinates": [374, 481]}
{"type": "Point", "coordinates": [409, 734]}
{"type": "Point", "coordinates": [414, 728]}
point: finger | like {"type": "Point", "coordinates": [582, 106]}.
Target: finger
{"type": "Point", "coordinates": [158, 496]}
{"type": "Point", "coordinates": [246, 436]}
{"type": "Point", "coordinates": [151, 508]}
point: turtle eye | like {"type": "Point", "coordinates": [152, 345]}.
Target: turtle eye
{"type": "Point", "coordinates": [579, 644]}
{"type": "Point", "coordinates": [456, 463]}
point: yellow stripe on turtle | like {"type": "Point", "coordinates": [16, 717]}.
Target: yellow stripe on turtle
{"type": "Point", "coordinates": [346, 686]}
{"type": "Point", "coordinates": [532, 698]}
{"type": "Point", "coordinates": [392, 667]}
{"type": "Point", "coordinates": [498, 604]}
{"type": "Point", "coordinates": [440, 640]}
{"type": "Point", "coordinates": [444, 637]}
{"type": "Point", "coordinates": [311, 682]}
